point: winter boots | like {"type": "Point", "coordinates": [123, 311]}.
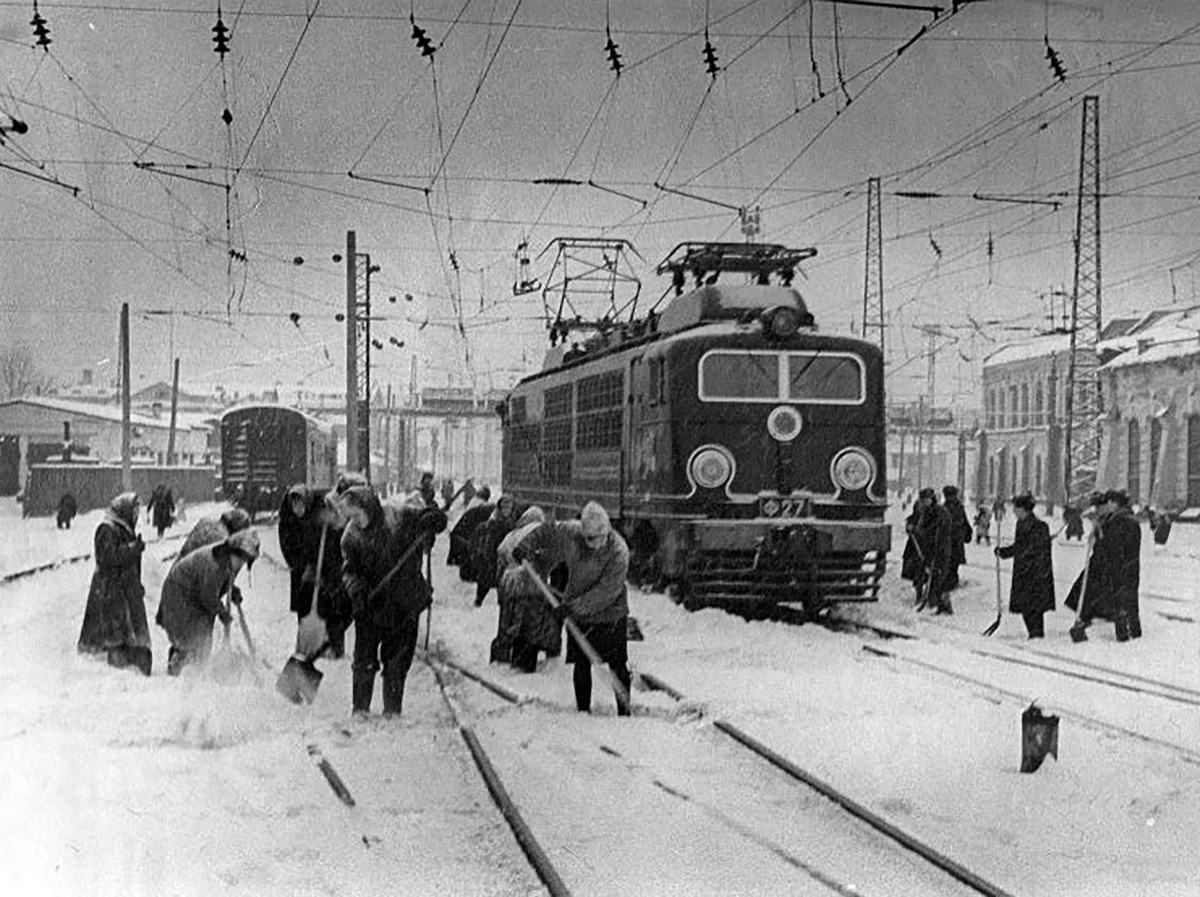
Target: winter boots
{"type": "Point", "coordinates": [131, 656]}
{"type": "Point", "coordinates": [362, 690]}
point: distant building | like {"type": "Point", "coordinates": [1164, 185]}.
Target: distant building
{"type": "Point", "coordinates": [34, 429]}
{"type": "Point", "coordinates": [1150, 442]}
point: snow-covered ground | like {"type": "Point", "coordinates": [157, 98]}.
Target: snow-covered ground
{"type": "Point", "coordinates": [114, 784]}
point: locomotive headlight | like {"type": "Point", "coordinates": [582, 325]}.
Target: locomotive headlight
{"type": "Point", "coordinates": [711, 466]}
{"type": "Point", "coordinates": [853, 469]}
{"type": "Point", "coordinates": [783, 321]}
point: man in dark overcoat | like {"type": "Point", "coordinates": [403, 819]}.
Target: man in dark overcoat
{"type": "Point", "coordinates": [1098, 602]}
{"type": "Point", "coordinates": [306, 514]}
{"type": "Point", "coordinates": [114, 621]}
{"type": "Point", "coordinates": [1123, 543]}
{"type": "Point", "coordinates": [1032, 593]}
{"type": "Point", "coordinates": [960, 534]}
{"type": "Point", "coordinates": [386, 610]}
{"type": "Point", "coordinates": [162, 508]}
{"type": "Point", "coordinates": [933, 536]}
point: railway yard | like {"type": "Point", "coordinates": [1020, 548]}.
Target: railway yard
{"type": "Point", "coordinates": [875, 755]}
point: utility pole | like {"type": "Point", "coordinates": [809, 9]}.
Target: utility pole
{"type": "Point", "coordinates": [126, 435]}
{"type": "Point", "coordinates": [873, 280]}
{"type": "Point", "coordinates": [174, 410]}
{"type": "Point", "coordinates": [932, 332]}
{"type": "Point", "coordinates": [351, 353]}
{"type": "Point", "coordinates": [387, 442]}
{"type": "Point", "coordinates": [1084, 402]}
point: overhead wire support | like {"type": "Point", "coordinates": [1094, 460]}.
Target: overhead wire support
{"type": "Point", "coordinates": [363, 177]}
{"type": "Point", "coordinates": [1018, 200]}
{"type": "Point", "coordinates": [714, 202]}
{"type": "Point", "coordinates": [41, 29]}
{"type": "Point", "coordinates": [935, 11]}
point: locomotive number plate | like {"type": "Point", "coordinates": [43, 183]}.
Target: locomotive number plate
{"type": "Point", "coordinates": [781, 507]}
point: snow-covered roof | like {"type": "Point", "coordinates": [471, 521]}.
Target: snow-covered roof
{"type": "Point", "coordinates": [1036, 347]}
{"type": "Point", "coordinates": [1172, 335]}
{"type": "Point", "coordinates": [98, 412]}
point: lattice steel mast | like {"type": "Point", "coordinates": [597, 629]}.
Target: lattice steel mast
{"type": "Point", "coordinates": [873, 280]}
{"type": "Point", "coordinates": [1082, 455]}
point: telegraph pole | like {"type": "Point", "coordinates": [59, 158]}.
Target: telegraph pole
{"type": "Point", "coordinates": [873, 279]}
{"type": "Point", "coordinates": [126, 440]}
{"type": "Point", "coordinates": [174, 410]}
{"type": "Point", "coordinates": [352, 459]}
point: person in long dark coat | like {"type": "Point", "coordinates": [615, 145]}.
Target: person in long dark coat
{"type": "Point", "coordinates": [303, 516]}
{"type": "Point", "coordinates": [386, 621]}
{"type": "Point", "coordinates": [912, 564]}
{"type": "Point", "coordinates": [526, 623]}
{"type": "Point", "coordinates": [932, 535]}
{"type": "Point", "coordinates": [1073, 522]}
{"type": "Point", "coordinates": [114, 621]}
{"type": "Point", "coordinates": [1098, 603]}
{"type": "Point", "coordinates": [1032, 593]}
{"type": "Point", "coordinates": [461, 536]}
{"type": "Point", "coordinates": [162, 508]}
{"type": "Point", "coordinates": [1123, 542]}
{"type": "Point", "coordinates": [211, 530]}
{"type": "Point", "coordinates": [486, 543]}
{"type": "Point", "coordinates": [960, 534]}
{"type": "Point", "coordinates": [191, 597]}
{"type": "Point", "coordinates": [67, 509]}
{"type": "Point", "coordinates": [983, 525]}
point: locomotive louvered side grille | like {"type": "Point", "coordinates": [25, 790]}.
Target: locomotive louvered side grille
{"type": "Point", "coordinates": [740, 577]}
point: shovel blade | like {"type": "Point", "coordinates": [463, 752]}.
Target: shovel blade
{"type": "Point", "coordinates": [299, 680]}
{"type": "Point", "coordinates": [1078, 634]}
{"type": "Point", "coordinates": [993, 627]}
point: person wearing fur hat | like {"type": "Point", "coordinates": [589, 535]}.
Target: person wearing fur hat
{"type": "Point", "coordinates": [191, 596]}
{"type": "Point", "coordinates": [1123, 543]}
{"type": "Point", "coordinates": [305, 516]}
{"type": "Point", "coordinates": [114, 621]}
{"type": "Point", "coordinates": [211, 530]}
{"type": "Point", "coordinates": [596, 594]}
{"type": "Point", "coordinates": [960, 534]}
{"type": "Point", "coordinates": [386, 610]}
{"type": "Point", "coordinates": [1032, 594]}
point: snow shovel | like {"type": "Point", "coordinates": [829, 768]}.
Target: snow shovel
{"type": "Point", "coordinates": [577, 634]}
{"type": "Point", "coordinates": [299, 678]}
{"type": "Point", "coordinates": [999, 607]}
{"type": "Point", "coordinates": [1078, 630]}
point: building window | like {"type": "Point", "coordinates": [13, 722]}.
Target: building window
{"type": "Point", "coordinates": [991, 482]}
{"type": "Point", "coordinates": [989, 409]}
{"type": "Point", "coordinates": [1037, 480]}
{"type": "Point", "coordinates": [1134, 456]}
{"type": "Point", "coordinates": [1024, 405]}
{"type": "Point", "coordinates": [1038, 411]}
{"type": "Point", "coordinates": [1000, 409]}
{"type": "Point", "coordinates": [1013, 408]}
{"type": "Point", "coordinates": [1193, 460]}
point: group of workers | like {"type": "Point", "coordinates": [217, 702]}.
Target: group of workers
{"type": "Point", "coordinates": [355, 559]}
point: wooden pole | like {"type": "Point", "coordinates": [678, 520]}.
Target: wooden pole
{"type": "Point", "coordinates": [174, 410]}
{"type": "Point", "coordinates": [126, 440]}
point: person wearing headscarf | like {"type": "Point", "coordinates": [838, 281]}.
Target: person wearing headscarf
{"type": "Point", "coordinates": [596, 594]}
{"type": "Point", "coordinates": [461, 536]}
{"type": "Point", "coordinates": [932, 534]}
{"type": "Point", "coordinates": [306, 516]}
{"type": "Point", "coordinates": [526, 623]}
{"type": "Point", "coordinates": [1032, 593]}
{"type": "Point", "coordinates": [211, 530]}
{"type": "Point", "coordinates": [485, 544]}
{"type": "Point", "coordinates": [191, 597]}
{"type": "Point", "coordinates": [114, 621]}
{"type": "Point", "coordinates": [383, 578]}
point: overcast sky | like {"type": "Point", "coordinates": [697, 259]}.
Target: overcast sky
{"type": "Point", "coordinates": [117, 191]}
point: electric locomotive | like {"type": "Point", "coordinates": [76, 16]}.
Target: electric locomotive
{"type": "Point", "coordinates": [266, 449]}
{"type": "Point", "coordinates": [741, 452]}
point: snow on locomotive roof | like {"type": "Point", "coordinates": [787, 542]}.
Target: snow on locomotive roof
{"type": "Point", "coordinates": [260, 406]}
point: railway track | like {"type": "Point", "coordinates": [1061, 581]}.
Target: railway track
{"type": "Point", "coordinates": [713, 795]}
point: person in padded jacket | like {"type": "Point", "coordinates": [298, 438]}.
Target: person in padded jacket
{"type": "Point", "coordinates": [386, 611]}
{"type": "Point", "coordinates": [304, 515]}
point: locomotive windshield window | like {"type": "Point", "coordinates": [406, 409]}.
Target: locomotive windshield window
{"type": "Point", "coordinates": [818, 377]}
{"type": "Point", "coordinates": [740, 375]}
